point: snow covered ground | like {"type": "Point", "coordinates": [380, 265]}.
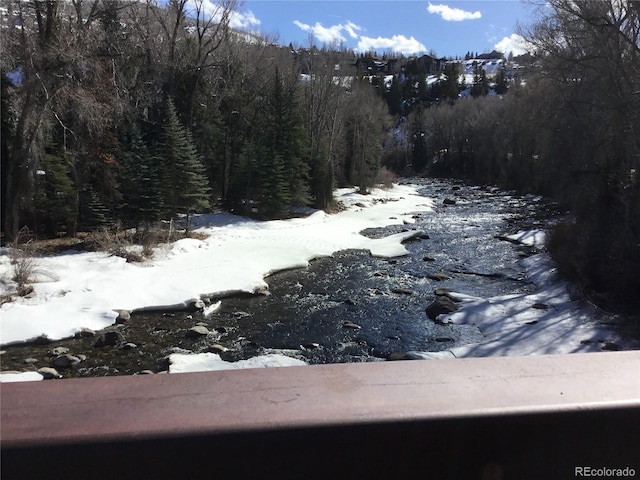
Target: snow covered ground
{"type": "Point", "coordinates": [78, 290]}
{"type": "Point", "coordinates": [82, 290]}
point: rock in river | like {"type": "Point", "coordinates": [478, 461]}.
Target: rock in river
{"type": "Point", "coordinates": [65, 361]}
{"type": "Point", "coordinates": [439, 306]}
{"type": "Point", "coordinates": [109, 337]}
{"type": "Point", "coordinates": [197, 331]}
{"type": "Point", "coordinates": [49, 373]}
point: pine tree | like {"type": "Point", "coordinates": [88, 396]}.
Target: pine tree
{"type": "Point", "coordinates": [140, 183]}
{"type": "Point", "coordinates": [56, 203]}
{"type": "Point", "coordinates": [501, 82]}
{"type": "Point", "coordinates": [185, 187]}
{"type": "Point", "coordinates": [289, 140]}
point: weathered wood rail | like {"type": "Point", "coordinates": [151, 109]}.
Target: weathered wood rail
{"type": "Point", "coordinates": [515, 417]}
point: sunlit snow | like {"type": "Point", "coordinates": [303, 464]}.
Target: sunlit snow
{"type": "Point", "coordinates": [76, 290]}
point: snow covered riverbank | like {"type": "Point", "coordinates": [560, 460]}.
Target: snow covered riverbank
{"type": "Point", "coordinates": [81, 290]}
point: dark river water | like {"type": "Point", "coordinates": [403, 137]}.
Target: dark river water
{"type": "Point", "coordinates": [307, 308]}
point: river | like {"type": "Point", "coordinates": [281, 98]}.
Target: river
{"type": "Point", "coordinates": [382, 301]}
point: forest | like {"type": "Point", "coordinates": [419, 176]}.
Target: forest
{"type": "Point", "coordinates": [119, 114]}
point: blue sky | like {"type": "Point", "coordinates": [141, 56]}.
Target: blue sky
{"type": "Point", "coordinates": [448, 27]}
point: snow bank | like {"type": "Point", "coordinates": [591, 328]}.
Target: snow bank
{"type": "Point", "coordinates": [205, 362]}
{"type": "Point", "coordinates": [83, 289]}
{"type": "Point", "coordinates": [7, 377]}
{"type": "Point", "coordinates": [532, 238]}
{"type": "Point", "coordinates": [542, 323]}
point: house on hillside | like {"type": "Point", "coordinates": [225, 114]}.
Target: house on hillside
{"type": "Point", "coordinates": [375, 66]}
{"type": "Point", "coordinates": [424, 64]}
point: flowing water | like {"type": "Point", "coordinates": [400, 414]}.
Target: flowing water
{"type": "Point", "coordinates": [383, 299]}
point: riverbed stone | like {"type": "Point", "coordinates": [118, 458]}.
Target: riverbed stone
{"type": "Point", "coordinates": [129, 346]}
{"type": "Point", "coordinates": [441, 305]}
{"type": "Point", "coordinates": [402, 291]}
{"type": "Point", "coordinates": [59, 351]}
{"type": "Point", "coordinates": [439, 276]}
{"type": "Point", "coordinates": [65, 361]}
{"type": "Point", "coordinates": [109, 338]}
{"type": "Point", "coordinates": [49, 373]}
{"type": "Point", "coordinates": [85, 333]}
{"type": "Point", "coordinates": [217, 348]}
{"type": "Point", "coordinates": [123, 316]}
{"type": "Point", "coordinates": [197, 331]}
{"type": "Point", "coordinates": [353, 326]}
{"type": "Point", "coordinates": [30, 361]}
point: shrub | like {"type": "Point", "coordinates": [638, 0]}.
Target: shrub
{"type": "Point", "coordinates": [386, 178]}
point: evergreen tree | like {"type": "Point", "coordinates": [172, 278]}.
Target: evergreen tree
{"type": "Point", "coordinates": [480, 85]}
{"type": "Point", "coordinates": [140, 183]}
{"type": "Point", "coordinates": [501, 82]}
{"type": "Point", "coordinates": [56, 203]}
{"type": "Point", "coordinates": [450, 88]}
{"type": "Point", "coordinates": [419, 145]}
{"type": "Point", "coordinates": [184, 182]}
{"type": "Point", "coordinates": [394, 96]}
{"type": "Point", "coordinates": [93, 212]}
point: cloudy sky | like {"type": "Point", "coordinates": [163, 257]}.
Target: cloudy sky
{"type": "Point", "coordinates": [448, 27]}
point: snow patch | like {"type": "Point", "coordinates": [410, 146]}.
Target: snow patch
{"type": "Point", "coordinates": [205, 362]}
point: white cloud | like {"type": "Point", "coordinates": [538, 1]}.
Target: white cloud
{"type": "Point", "coordinates": [352, 28]}
{"type": "Point", "coordinates": [453, 14]}
{"type": "Point", "coordinates": [514, 43]}
{"type": "Point", "coordinates": [332, 34]}
{"type": "Point", "coordinates": [245, 21]}
{"type": "Point", "coordinates": [213, 10]}
{"type": "Point", "coordinates": [397, 43]}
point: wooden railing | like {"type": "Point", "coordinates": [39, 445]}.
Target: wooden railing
{"type": "Point", "coordinates": [516, 417]}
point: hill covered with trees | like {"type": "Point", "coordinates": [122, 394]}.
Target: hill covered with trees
{"type": "Point", "coordinates": [119, 112]}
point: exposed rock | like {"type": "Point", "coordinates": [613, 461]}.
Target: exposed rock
{"type": "Point", "coordinates": [424, 236]}
{"type": "Point", "coordinates": [217, 348]}
{"type": "Point", "coordinates": [129, 346]}
{"type": "Point", "coordinates": [108, 338]}
{"type": "Point", "coordinates": [610, 346]}
{"type": "Point", "coordinates": [220, 330]}
{"type": "Point", "coordinates": [351, 301]}
{"type": "Point", "coordinates": [439, 306]}
{"type": "Point", "coordinates": [197, 331]}
{"type": "Point", "coordinates": [30, 361]}
{"type": "Point", "coordinates": [49, 373]}
{"type": "Point", "coordinates": [59, 351]}
{"type": "Point", "coordinates": [145, 372]}
{"type": "Point", "coordinates": [428, 259]}
{"type": "Point", "coordinates": [85, 333]}
{"type": "Point", "coordinates": [449, 201]}
{"type": "Point", "coordinates": [443, 339]}
{"type": "Point", "coordinates": [397, 356]}
{"type": "Point", "coordinates": [65, 361]}
{"type": "Point", "coordinates": [348, 324]}
{"type": "Point", "coordinates": [123, 316]}
{"type": "Point", "coordinates": [438, 277]}
{"type": "Point", "coordinates": [402, 291]}
{"type": "Point", "coordinates": [311, 346]}
{"type": "Point", "coordinates": [442, 291]}
{"type": "Point", "coordinates": [540, 306]}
